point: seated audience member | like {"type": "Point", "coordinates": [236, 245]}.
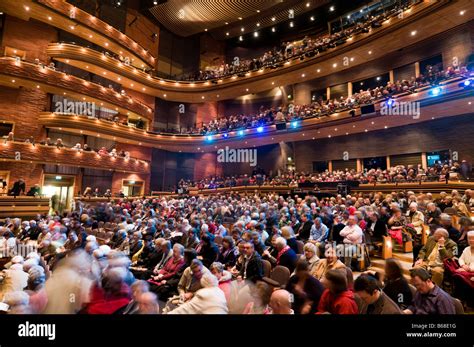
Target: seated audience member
{"type": "Point", "coordinates": [319, 232]}
{"type": "Point", "coordinates": [446, 223]}
{"type": "Point", "coordinates": [223, 276]}
{"type": "Point", "coordinates": [330, 262]}
{"type": "Point", "coordinates": [209, 251]}
{"type": "Point", "coordinates": [304, 229]}
{"type": "Point", "coordinates": [209, 299]}
{"type": "Point", "coordinates": [464, 276]}
{"type": "Point", "coordinates": [190, 281]}
{"type": "Point", "coordinates": [112, 295]}
{"type": "Point", "coordinates": [311, 256]}
{"type": "Point", "coordinates": [376, 228]}
{"type": "Point", "coordinates": [306, 289]}
{"type": "Point", "coordinates": [337, 298]}
{"type": "Point", "coordinates": [252, 267]}
{"type": "Point", "coordinates": [437, 249]}
{"type": "Point", "coordinates": [375, 300]}
{"type": "Point", "coordinates": [429, 298]}
{"type": "Point", "coordinates": [433, 214]}
{"type": "Point", "coordinates": [19, 188]}
{"type": "Point", "coordinates": [396, 225]}
{"type": "Point", "coordinates": [396, 286]}
{"type": "Point", "coordinates": [289, 235]}
{"type": "Point", "coordinates": [352, 234]}
{"type": "Point", "coordinates": [34, 191]}
{"type": "Point", "coordinates": [229, 253]}
{"type": "Point", "coordinates": [285, 257]}
{"type": "Point", "coordinates": [148, 303]}
{"type": "Point", "coordinates": [138, 288]}
{"type": "Point", "coordinates": [280, 302]}
{"type": "Point", "coordinates": [172, 266]}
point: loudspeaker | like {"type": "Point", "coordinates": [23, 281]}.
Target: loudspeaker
{"type": "Point", "coordinates": [281, 126]}
{"type": "Point", "coordinates": [366, 109]}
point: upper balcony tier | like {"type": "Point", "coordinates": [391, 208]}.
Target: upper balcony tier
{"type": "Point", "coordinates": [17, 74]}
{"type": "Point", "coordinates": [40, 154]}
{"type": "Point", "coordinates": [69, 18]}
{"type": "Point", "coordinates": [451, 99]}
{"type": "Point", "coordinates": [426, 19]}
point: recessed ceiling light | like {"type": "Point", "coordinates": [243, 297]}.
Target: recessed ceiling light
{"type": "Point", "coordinates": [50, 18]}
{"type": "Point", "coordinates": [334, 65]}
{"type": "Point", "coordinates": [292, 24]}
{"type": "Point", "coordinates": [255, 34]}
{"type": "Point", "coordinates": [258, 24]}
{"type": "Point", "coordinates": [462, 12]}
{"type": "Point", "coordinates": [273, 29]}
{"type": "Point", "coordinates": [273, 19]}
{"type": "Point", "coordinates": [318, 70]}
{"type": "Point", "coordinates": [331, 9]}
{"type": "Point", "coordinates": [370, 52]}
{"type": "Point", "coordinates": [413, 33]}
{"type": "Point", "coordinates": [308, 4]}
{"type": "Point", "coordinates": [227, 33]}
{"type": "Point", "coordinates": [312, 18]}
{"type": "Point", "coordinates": [303, 75]}
{"type": "Point", "coordinates": [242, 29]}
{"type": "Point", "coordinates": [240, 18]}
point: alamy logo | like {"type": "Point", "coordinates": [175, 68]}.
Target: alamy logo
{"type": "Point", "coordinates": [75, 107]}
{"type": "Point", "coordinates": [228, 155]}
{"type": "Point", "coordinates": [37, 330]}
{"type": "Point", "coordinates": [400, 108]}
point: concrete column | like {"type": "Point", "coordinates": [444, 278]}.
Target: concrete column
{"type": "Point", "coordinates": [328, 93]}
{"type": "Point", "coordinates": [424, 161]}
{"type": "Point", "coordinates": [349, 89]}
{"type": "Point", "coordinates": [388, 161]}
{"type": "Point", "coordinates": [392, 78]}
{"type": "Point", "coordinates": [417, 69]}
{"type": "Point", "coordinates": [330, 166]}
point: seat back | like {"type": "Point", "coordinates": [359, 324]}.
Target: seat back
{"type": "Point", "coordinates": [412, 290]}
{"type": "Point", "coordinates": [450, 210]}
{"type": "Point", "coordinates": [458, 306]}
{"type": "Point", "coordinates": [267, 268]}
{"type": "Point", "coordinates": [280, 274]}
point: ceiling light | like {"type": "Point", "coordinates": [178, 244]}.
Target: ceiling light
{"type": "Point", "coordinates": [242, 29]}
{"type": "Point", "coordinates": [308, 4]}
{"type": "Point", "coordinates": [255, 34]}
{"type": "Point", "coordinates": [227, 33]}
{"type": "Point", "coordinates": [241, 38]}
{"type": "Point", "coordinates": [413, 33]}
{"type": "Point", "coordinates": [462, 12]}
{"type": "Point", "coordinates": [258, 24]}
{"type": "Point", "coordinates": [312, 18]}
{"type": "Point", "coordinates": [273, 19]}
{"type": "Point", "coordinates": [291, 25]}
{"type": "Point", "coordinates": [273, 29]}
{"type": "Point", "coordinates": [331, 9]}
{"type": "Point", "coordinates": [370, 52]}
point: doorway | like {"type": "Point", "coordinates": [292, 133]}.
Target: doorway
{"type": "Point", "coordinates": [60, 189]}
{"type": "Point", "coordinates": [132, 188]}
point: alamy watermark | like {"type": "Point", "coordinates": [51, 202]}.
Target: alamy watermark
{"type": "Point", "coordinates": [19, 249]}
{"type": "Point", "coordinates": [230, 155]}
{"type": "Point", "coordinates": [75, 107]}
{"type": "Point", "coordinates": [400, 108]}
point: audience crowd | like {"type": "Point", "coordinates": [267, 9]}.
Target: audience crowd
{"type": "Point", "coordinates": [242, 254]}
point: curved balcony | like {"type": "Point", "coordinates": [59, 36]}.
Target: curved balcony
{"type": "Point", "coordinates": [452, 100]}
{"type": "Point", "coordinates": [26, 152]}
{"type": "Point", "coordinates": [326, 63]}
{"type": "Point", "coordinates": [69, 18]}
{"type": "Point", "coordinates": [18, 73]}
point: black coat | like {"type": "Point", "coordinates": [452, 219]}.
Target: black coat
{"type": "Point", "coordinates": [229, 259]}
{"type": "Point", "coordinates": [380, 229]}
{"type": "Point", "coordinates": [18, 188]}
{"type": "Point", "coordinates": [254, 269]}
{"type": "Point", "coordinates": [304, 230]}
{"type": "Point", "coordinates": [313, 289]}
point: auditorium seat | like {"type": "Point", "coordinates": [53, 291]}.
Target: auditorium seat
{"type": "Point", "coordinates": [267, 268]}
{"type": "Point", "coordinates": [280, 274]}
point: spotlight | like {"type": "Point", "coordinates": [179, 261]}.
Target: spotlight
{"type": "Point", "coordinates": [260, 129]}
{"type": "Point", "coordinates": [294, 124]}
{"type": "Point", "coordinates": [225, 135]}
{"type": "Point", "coordinates": [390, 102]}
{"type": "Point", "coordinates": [209, 138]}
{"type": "Point", "coordinates": [241, 133]}
{"type": "Point", "coordinates": [436, 91]}
{"type": "Point", "coordinates": [467, 83]}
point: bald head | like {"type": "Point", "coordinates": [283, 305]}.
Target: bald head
{"type": "Point", "coordinates": [280, 302]}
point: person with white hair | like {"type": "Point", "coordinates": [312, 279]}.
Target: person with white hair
{"type": "Point", "coordinates": [210, 299]}
{"type": "Point", "coordinates": [437, 249]}
{"type": "Point", "coordinates": [285, 257]}
{"type": "Point", "coordinates": [18, 302]}
{"type": "Point", "coordinates": [464, 277]}
{"type": "Point", "coordinates": [14, 279]}
{"type": "Point", "coordinates": [148, 303]}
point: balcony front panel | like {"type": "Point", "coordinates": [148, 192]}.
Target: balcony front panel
{"type": "Point", "coordinates": [26, 152]}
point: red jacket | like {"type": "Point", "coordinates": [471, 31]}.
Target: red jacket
{"type": "Point", "coordinates": [342, 303]}
{"type": "Point", "coordinates": [107, 304]}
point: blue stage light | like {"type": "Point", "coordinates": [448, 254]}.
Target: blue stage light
{"type": "Point", "coordinates": [294, 124]}
{"type": "Point", "coordinates": [260, 129]}
{"type": "Point", "coordinates": [209, 138]}
{"type": "Point", "coordinates": [467, 83]}
{"type": "Point", "coordinates": [241, 133]}
{"type": "Point", "coordinates": [436, 91]}
{"type": "Point", "coordinates": [225, 135]}
{"type": "Point", "coordinates": [389, 102]}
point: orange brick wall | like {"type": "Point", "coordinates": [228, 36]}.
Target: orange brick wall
{"type": "Point", "coordinates": [30, 36]}
{"type": "Point", "coordinates": [22, 107]}
{"type": "Point", "coordinates": [206, 165]}
{"type": "Point", "coordinates": [118, 178]}
{"type": "Point", "coordinates": [31, 173]}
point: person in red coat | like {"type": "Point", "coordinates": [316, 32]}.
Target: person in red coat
{"type": "Point", "coordinates": [172, 266]}
{"type": "Point", "coordinates": [336, 298]}
{"type": "Point", "coordinates": [112, 295]}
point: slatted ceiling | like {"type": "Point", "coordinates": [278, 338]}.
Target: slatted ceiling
{"type": "Point", "coordinates": [211, 14]}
